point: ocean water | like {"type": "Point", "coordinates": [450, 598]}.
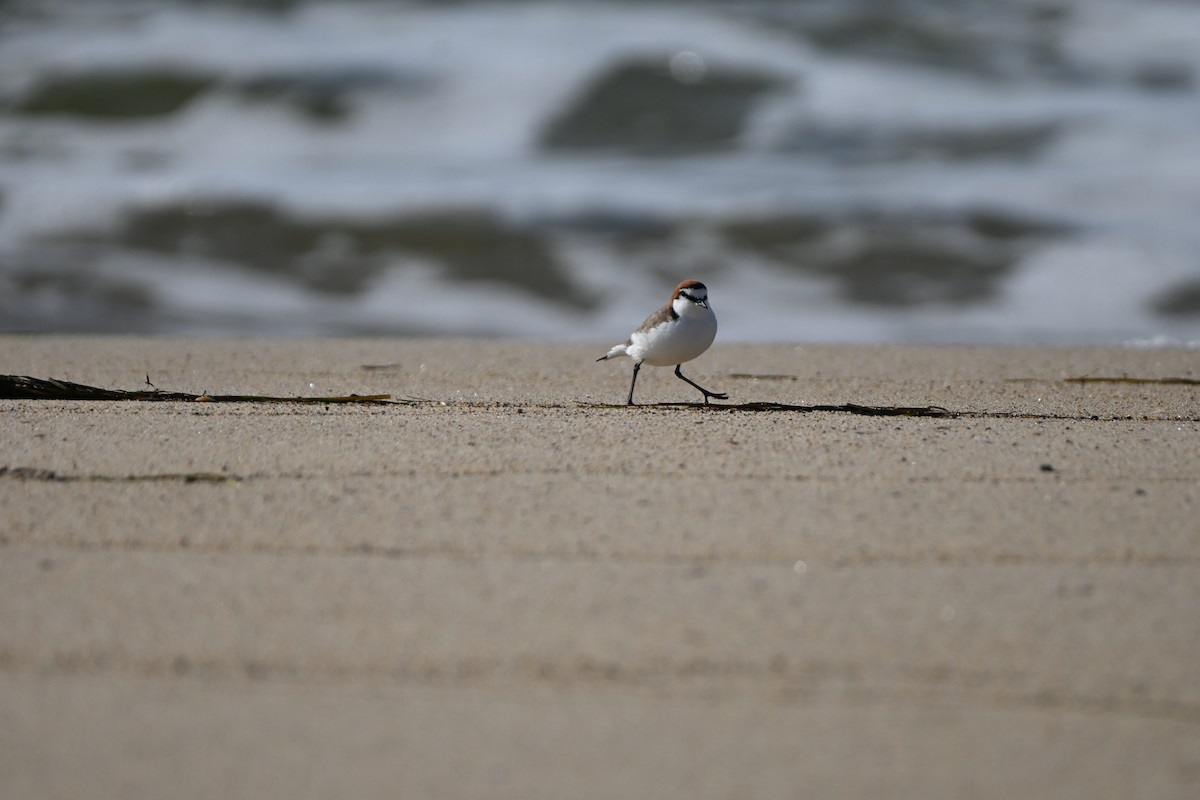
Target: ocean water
{"type": "Point", "coordinates": [834, 170]}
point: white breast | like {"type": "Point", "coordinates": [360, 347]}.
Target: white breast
{"type": "Point", "coordinates": [677, 341]}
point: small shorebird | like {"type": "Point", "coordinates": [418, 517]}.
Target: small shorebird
{"type": "Point", "coordinates": [677, 332]}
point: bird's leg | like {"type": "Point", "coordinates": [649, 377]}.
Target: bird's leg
{"type": "Point", "coordinates": [681, 376]}
{"type": "Point", "coordinates": [636, 366]}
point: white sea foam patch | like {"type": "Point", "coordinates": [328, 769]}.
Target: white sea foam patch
{"type": "Point", "coordinates": [1097, 285]}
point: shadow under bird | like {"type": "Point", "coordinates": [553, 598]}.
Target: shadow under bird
{"type": "Point", "coordinates": [678, 332]}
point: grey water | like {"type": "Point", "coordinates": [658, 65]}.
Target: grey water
{"type": "Point", "coordinates": [834, 170]}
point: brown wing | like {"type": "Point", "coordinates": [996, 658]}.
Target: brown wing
{"type": "Point", "coordinates": [664, 314]}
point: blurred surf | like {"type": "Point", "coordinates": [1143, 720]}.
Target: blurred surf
{"type": "Point", "coordinates": [859, 170]}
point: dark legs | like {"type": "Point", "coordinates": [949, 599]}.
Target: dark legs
{"type": "Point", "coordinates": [637, 365]}
{"type": "Point", "coordinates": [681, 376]}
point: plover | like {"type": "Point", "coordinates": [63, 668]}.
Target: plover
{"type": "Point", "coordinates": [678, 332]}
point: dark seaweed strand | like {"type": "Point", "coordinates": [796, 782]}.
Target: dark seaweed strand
{"type": "Point", "coordinates": [23, 387]}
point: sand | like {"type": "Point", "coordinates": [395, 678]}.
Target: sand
{"type": "Point", "coordinates": [518, 588]}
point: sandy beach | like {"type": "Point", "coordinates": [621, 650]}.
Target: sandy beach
{"type": "Point", "coordinates": [513, 586]}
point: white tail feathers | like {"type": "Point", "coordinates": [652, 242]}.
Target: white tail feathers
{"type": "Point", "coordinates": [618, 350]}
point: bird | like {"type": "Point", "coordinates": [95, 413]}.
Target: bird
{"type": "Point", "coordinates": [678, 332]}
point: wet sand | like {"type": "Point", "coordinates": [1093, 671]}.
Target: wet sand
{"type": "Point", "coordinates": [518, 588]}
